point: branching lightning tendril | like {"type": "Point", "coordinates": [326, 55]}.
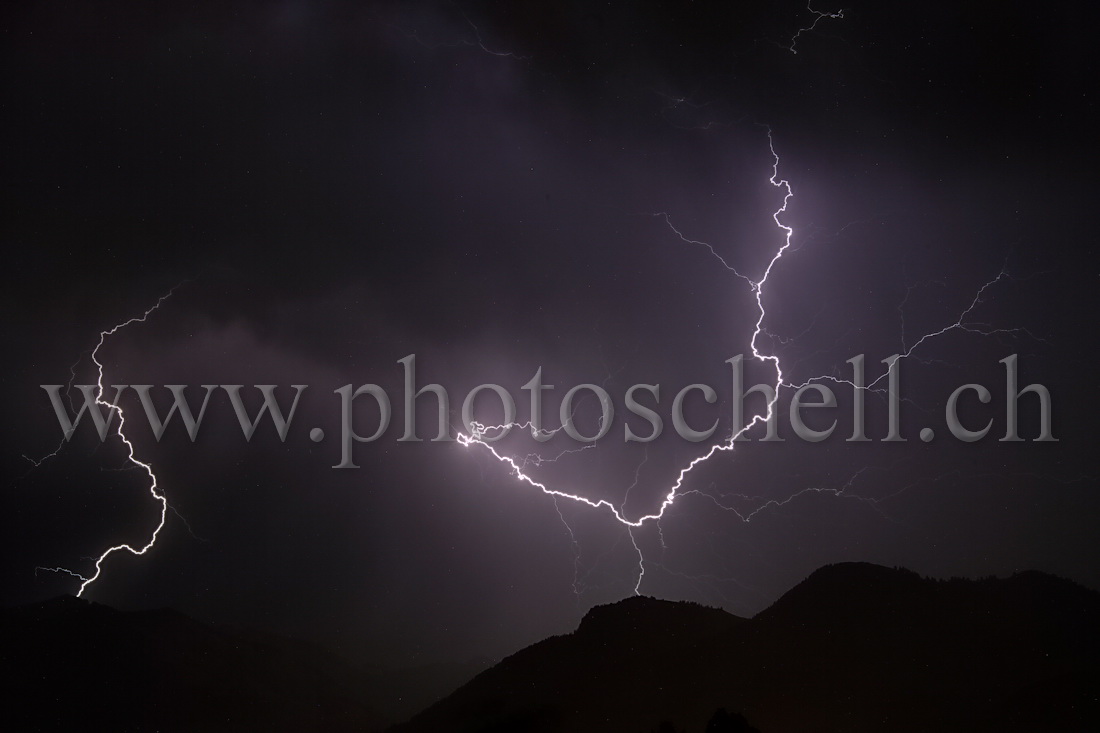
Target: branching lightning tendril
{"type": "Point", "coordinates": [818, 17]}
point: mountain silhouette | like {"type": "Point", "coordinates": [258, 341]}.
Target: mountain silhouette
{"type": "Point", "coordinates": [854, 647]}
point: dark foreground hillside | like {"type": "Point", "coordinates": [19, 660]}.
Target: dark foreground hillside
{"type": "Point", "coordinates": [854, 647]}
{"type": "Point", "coordinates": [68, 664]}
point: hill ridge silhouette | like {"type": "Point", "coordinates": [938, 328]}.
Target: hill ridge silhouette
{"type": "Point", "coordinates": [853, 647]}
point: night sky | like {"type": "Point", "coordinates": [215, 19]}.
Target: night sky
{"type": "Point", "coordinates": [498, 187]}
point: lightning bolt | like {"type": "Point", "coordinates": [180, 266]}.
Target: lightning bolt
{"type": "Point", "coordinates": [518, 468]}
{"type": "Point", "coordinates": [477, 434]}
{"type": "Point", "coordinates": [818, 17]}
{"type": "Point", "coordinates": [154, 489]}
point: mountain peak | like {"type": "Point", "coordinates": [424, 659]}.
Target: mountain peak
{"type": "Point", "coordinates": [645, 616]}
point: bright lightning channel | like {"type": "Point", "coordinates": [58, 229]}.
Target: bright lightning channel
{"type": "Point", "coordinates": [154, 489]}
{"type": "Point", "coordinates": [518, 467]}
